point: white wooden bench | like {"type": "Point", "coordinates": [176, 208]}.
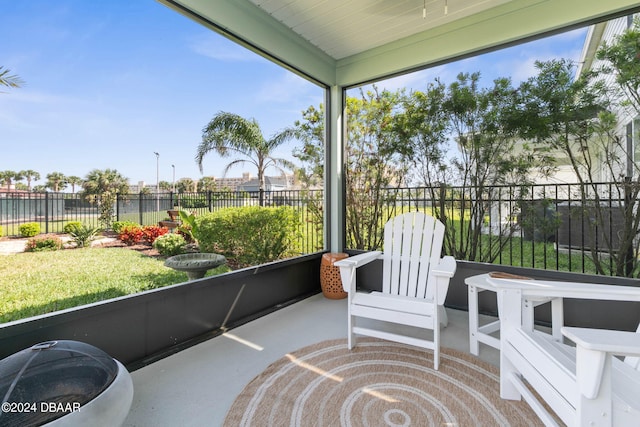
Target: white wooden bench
{"type": "Point", "coordinates": [583, 385]}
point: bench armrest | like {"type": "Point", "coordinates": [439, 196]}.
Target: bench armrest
{"type": "Point", "coordinates": [621, 343]}
{"type": "Point", "coordinates": [594, 349]}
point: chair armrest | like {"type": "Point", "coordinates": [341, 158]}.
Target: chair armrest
{"type": "Point", "coordinates": [446, 267]}
{"type": "Point", "coordinates": [348, 268]}
{"type": "Point", "coordinates": [442, 274]}
{"type": "Point", "coordinates": [358, 260]}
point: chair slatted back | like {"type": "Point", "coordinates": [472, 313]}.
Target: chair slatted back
{"type": "Point", "coordinates": [412, 243]}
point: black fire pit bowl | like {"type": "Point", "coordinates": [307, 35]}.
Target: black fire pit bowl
{"type": "Point", "coordinates": [64, 383]}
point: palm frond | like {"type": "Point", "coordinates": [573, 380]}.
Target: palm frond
{"type": "Point", "coordinates": [228, 133]}
{"type": "Point", "coordinates": [232, 164]}
{"type": "Point", "coordinates": [284, 136]}
{"type": "Point", "coordinates": [9, 80]}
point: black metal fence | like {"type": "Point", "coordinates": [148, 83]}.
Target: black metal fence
{"type": "Point", "coordinates": [53, 210]}
{"type": "Point", "coordinates": [50, 210]}
{"type": "Point", "coordinates": [554, 227]}
{"type": "Point", "coordinates": [551, 227]}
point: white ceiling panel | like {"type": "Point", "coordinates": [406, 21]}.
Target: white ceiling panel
{"type": "Point", "coordinates": [351, 42]}
{"type": "Point", "coordinates": [342, 28]}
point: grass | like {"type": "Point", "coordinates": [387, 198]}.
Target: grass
{"type": "Point", "coordinates": [525, 253]}
{"type": "Point", "coordinates": [42, 282]}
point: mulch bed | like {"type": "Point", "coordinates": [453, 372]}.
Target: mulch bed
{"type": "Point", "coordinates": [145, 249]}
{"type": "Point", "coordinates": [142, 248]}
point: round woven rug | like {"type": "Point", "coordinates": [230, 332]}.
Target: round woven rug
{"type": "Point", "coordinates": [379, 383]}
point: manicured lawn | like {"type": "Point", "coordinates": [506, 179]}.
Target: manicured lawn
{"type": "Point", "coordinates": [42, 282]}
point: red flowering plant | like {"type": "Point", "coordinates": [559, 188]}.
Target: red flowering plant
{"type": "Point", "coordinates": [151, 232]}
{"type": "Point", "coordinates": [131, 235]}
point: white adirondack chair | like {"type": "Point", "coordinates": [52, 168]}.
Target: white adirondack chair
{"type": "Point", "coordinates": [585, 385]}
{"type": "Point", "coordinates": [415, 281]}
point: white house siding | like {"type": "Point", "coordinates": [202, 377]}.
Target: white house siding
{"type": "Point", "coordinates": [612, 29]}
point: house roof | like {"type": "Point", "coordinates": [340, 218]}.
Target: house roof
{"type": "Point", "coordinates": [591, 45]}
{"type": "Point", "coordinates": [346, 43]}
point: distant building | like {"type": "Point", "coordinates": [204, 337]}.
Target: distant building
{"type": "Point", "coordinates": [17, 194]}
{"type": "Point", "coordinates": [136, 188]}
{"type": "Point", "coordinates": [232, 184]}
{"type": "Point", "coordinates": [272, 183]}
{"type": "Point", "coordinates": [243, 183]}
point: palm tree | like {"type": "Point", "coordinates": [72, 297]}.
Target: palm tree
{"type": "Point", "coordinates": [73, 181]}
{"type": "Point", "coordinates": [207, 183]}
{"type": "Point", "coordinates": [165, 186]}
{"type": "Point", "coordinates": [8, 80]}
{"type": "Point", "coordinates": [56, 181]}
{"type": "Point", "coordinates": [229, 133]}
{"type": "Point", "coordinates": [30, 175]}
{"type": "Point", "coordinates": [8, 177]}
{"type": "Point", "coordinates": [186, 185]}
{"type": "Point", "coordinates": [103, 186]}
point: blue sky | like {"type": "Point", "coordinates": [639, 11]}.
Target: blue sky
{"type": "Point", "coordinates": [108, 83]}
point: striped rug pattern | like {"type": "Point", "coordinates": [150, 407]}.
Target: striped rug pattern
{"type": "Point", "coordinates": [379, 383]}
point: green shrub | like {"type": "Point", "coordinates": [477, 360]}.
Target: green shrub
{"type": "Point", "coordinates": [29, 229]}
{"type": "Point", "coordinates": [191, 202]}
{"type": "Point", "coordinates": [1, 231]}
{"type": "Point", "coordinates": [72, 226]}
{"type": "Point", "coordinates": [251, 235]}
{"type": "Point", "coordinates": [170, 244]}
{"type": "Point", "coordinates": [189, 227]}
{"type": "Point", "coordinates": [117, 226]}
{"type": "Point", "coordinates": [40, 244]}
{"type": "Point", "coordinates": [82, 235]}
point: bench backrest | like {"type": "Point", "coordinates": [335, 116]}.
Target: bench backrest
{"type": "Point", "coordinates": [633, 361]}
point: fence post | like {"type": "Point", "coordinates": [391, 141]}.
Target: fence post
{"type": "Point", "coordinates": [118, 206]}
{"type": "Point", "coordinates": [628, 203]}
{"type": "Point", "coordinates": [46, 212]}
{"type": "Point", "coordinates": [140, 201]}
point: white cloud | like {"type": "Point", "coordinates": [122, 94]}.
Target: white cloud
{"type": "Point", "coordinates": [217, 47]}
{"type": "Point", "coordinates": [22, 108]}
{"type": "Point", "coordinates": [26, 96]}
{"type": "Point", "coordinates": [417, 80]}
{"type": "Point", "coordinates": [287, 88]}
{"type": "Point", "coordinates": [411, 80]}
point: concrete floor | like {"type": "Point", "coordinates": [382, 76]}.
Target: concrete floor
{"type": "Point", "coordinates": [197, 386]}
